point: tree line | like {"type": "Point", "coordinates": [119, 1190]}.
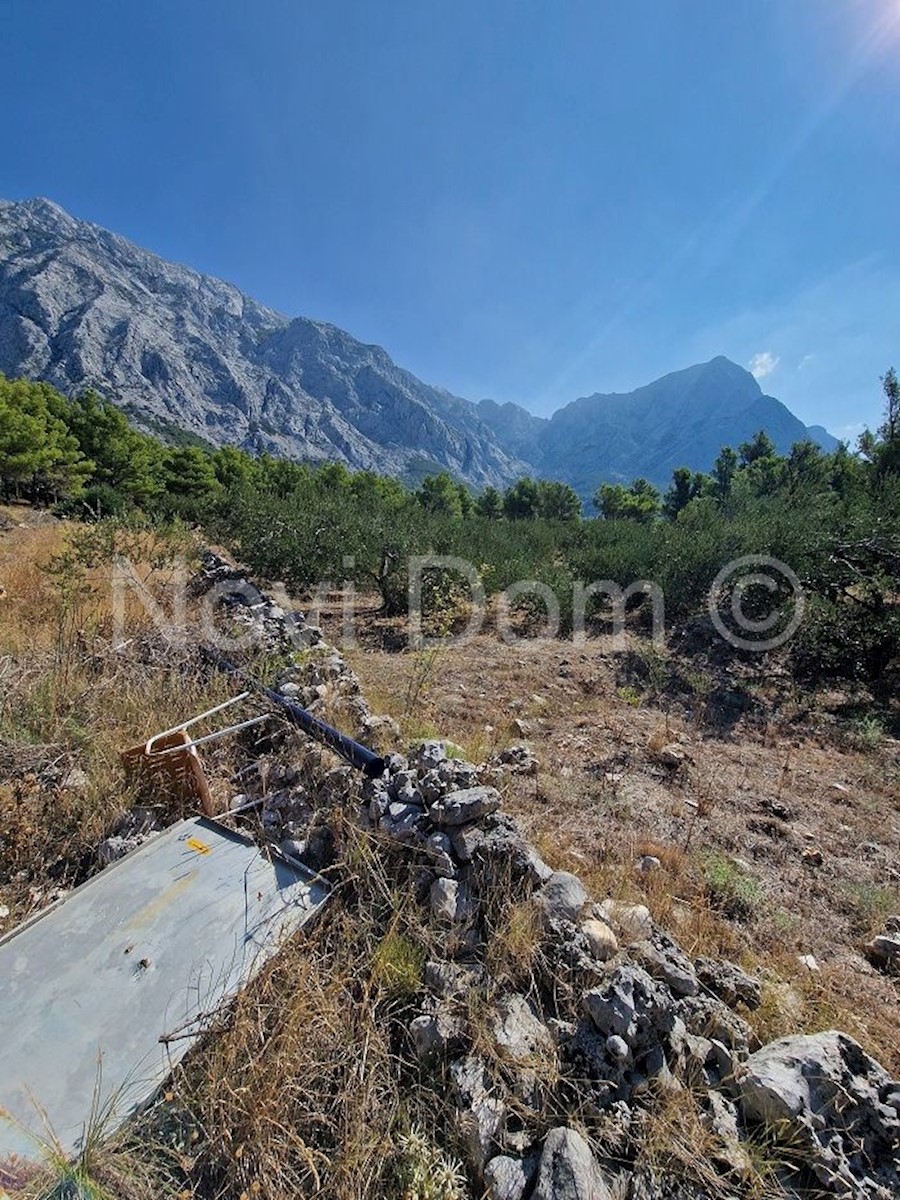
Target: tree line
{"type": "Point", "coordinates": [84, 449]}
{"type": "Point", "coordinates": [834, 518]}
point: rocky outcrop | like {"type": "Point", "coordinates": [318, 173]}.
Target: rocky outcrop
{"type": "Point", "coordinates": [833, 1104]}
{"type": "Point", "coordinates": [81, 307]}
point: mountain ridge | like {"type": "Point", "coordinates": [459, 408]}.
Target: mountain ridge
{"type": "Point", "coordinates": [81, 306]}
{"type": "Point", "coordinates": [598, 432]}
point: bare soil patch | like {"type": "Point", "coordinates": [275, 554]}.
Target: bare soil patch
{"type": "Point", "coordinates": [775, 838]}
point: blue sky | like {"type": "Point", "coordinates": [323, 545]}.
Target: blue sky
{"type": "Point", "coordinates": [528, 201]}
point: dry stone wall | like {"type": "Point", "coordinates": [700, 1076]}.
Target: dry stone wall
{"type": "Point", "coordinates": [553, 1083]}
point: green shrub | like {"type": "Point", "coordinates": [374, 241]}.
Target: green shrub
{"type": "Point", "coordinates": [730, 888]}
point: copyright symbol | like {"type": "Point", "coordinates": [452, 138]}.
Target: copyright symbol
{"type": "Point", "coordinates": [765, 606]}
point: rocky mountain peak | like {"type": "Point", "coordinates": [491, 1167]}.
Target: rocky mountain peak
{"type": "Point", "coordinates": [83, 307]}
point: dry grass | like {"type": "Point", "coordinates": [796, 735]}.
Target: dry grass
{"type": "Point", "coordinates": [675, 1140]}
{"type": "Point", "coordinates": [308, 1084]}
{"type": "Point", "coordinates": [72, 700]}
{"type": "Point", "coordinates": [513, 945]}
{"type": "Point", "coordinates": [764, 781]}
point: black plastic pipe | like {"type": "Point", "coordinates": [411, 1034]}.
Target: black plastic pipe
{"type": "Point", "coordinates": [353, 752]}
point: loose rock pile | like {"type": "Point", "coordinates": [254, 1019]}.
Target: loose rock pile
{"type": "Point", "coordinates": [616, 1016]}
{"type": "Point", "coordinates": [884, 949]}
{"type": "Point", "coordinates": [223, 588]}
{"type": "Point", "coordinates": [268, 626]}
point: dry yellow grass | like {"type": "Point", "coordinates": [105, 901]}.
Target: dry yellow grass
{"type": "Point", "coordinates": [308, 1080]}
{"type": "Point", "coordinates": [734, 880]}
{"type": "Point", "coordinates": [71, 700]}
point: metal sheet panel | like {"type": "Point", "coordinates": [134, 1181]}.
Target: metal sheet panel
{"type": "Point", "coordinates": [146, 948]}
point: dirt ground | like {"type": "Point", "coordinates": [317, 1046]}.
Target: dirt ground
{"type": "Point", "coordinates": [775, 839]}
{"type": "Point", "coordinates": [770, 834]}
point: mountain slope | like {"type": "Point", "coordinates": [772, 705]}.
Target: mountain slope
{"type": "Point", "coordinates": [519, 431]}
{"type": "Point", "coordinates": [682, 419]}
{"type": "Point", "coordinates": [81, 307]}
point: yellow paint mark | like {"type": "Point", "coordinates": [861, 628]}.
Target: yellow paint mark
{"type": "Point", "coordinates": [161, 902]}
{"type": "Point", "coordinates": [196, 844]}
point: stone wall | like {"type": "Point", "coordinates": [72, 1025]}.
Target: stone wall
{"type": "Point", "coordinates": [552, 1082]}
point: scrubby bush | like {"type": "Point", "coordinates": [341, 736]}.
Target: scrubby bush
{"type": "Point", "coordinates": [832, 519]}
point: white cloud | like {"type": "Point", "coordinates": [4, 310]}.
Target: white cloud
{"type": "Point", "coordinates": [847, 318]}
{"type": "Point", "coordinates": [763, 364]}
